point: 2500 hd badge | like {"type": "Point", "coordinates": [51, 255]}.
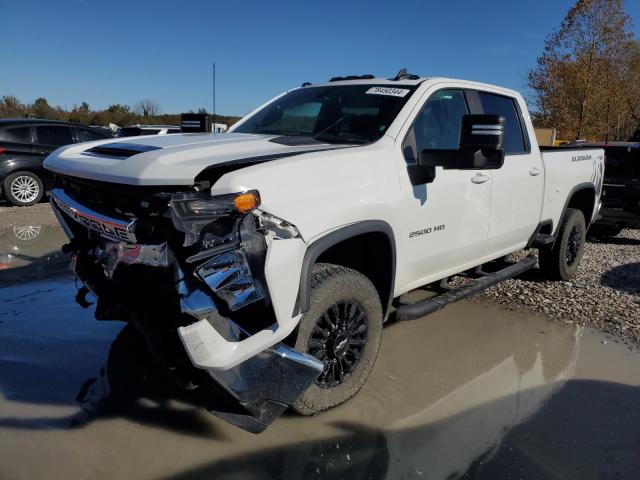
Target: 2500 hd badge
{"type": "Point", "coordinates": [426, 231]}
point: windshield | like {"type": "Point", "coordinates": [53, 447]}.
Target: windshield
{"type": "Point", "coordinates": [332, 114]}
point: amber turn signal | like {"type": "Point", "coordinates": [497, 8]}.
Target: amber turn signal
{"type": "Point", "coordinates": [245, 202]}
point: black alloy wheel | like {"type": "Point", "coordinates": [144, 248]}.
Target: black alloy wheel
{"type": "Point", "coordinates": [337, 340]}
{"type": "Point", "coordinates": [573, 245]}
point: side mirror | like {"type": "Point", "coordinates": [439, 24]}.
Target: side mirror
{"type": "Point", "coordinates": [481, 146]}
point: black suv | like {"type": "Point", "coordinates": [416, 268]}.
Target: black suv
{"type": "Point", "coordinates": [24, 144]}
{"type": "Point", "coordinates": [621, 189]}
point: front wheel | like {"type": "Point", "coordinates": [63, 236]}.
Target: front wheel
{"type": "Point", "coordinates": [23, 188]}
{"type": "Point", "coordinates": [342, 328]}
{"type": "Point", "coordinates": [561, 262]}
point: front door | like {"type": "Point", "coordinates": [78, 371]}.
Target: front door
{"type": "Point", "coordinates": [446, 222]}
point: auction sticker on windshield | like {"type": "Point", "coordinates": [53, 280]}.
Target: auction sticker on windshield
{"type": "Point", "coordinates": [394, 92]}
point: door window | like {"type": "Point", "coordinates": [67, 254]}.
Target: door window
{"type": "Point", "coordinates": [15, 135]}
{"type": "Point", "coordinates": [55, 135]}
{"type": "Point", "coordinates": [505, 106]}
{"type": "Point", "coordinates": [437, 126]}
{"type": "Point", "coordinates": [89, 135]}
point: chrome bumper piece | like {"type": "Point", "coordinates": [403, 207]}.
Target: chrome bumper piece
{"type": "Point", "coordinates": [229, 277]}
{"type": "Point", "coordinates": [114, 228]}
{"type": "Point", "coordinates": [264, 384]}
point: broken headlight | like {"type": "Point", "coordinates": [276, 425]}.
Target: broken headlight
{"type": "Point", "coordinates": [210, 219]}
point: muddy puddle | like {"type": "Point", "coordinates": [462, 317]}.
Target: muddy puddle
{"type": "Point", "coordinates": [470, 392]}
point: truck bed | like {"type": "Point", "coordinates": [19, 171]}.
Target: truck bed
{"type": "Point", "coordinates": [566, 169]}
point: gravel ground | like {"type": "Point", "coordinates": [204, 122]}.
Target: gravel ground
{"type": "Point", "coordinates": [37, 214]}
{"type": "Point", "coordinates": [604, 294]}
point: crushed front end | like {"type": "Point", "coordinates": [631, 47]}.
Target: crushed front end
{"type": "Point", "coordinates": [207, 279]}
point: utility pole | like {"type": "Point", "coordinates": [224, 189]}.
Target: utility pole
{"type": "Point", "coordinates": [214, 96]}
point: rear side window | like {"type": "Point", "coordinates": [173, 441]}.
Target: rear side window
{"type": "Point", "coordinates": [89, 135]}
{"type": "Point", "coordinates": [15, 134]}
{"type": "Point", "coordinates": [498, 105]}
{"type": "Point", "coordinates": [55, 135]}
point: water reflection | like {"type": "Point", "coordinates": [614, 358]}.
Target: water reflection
{"type": "Point", "coordinates": [31, 251]}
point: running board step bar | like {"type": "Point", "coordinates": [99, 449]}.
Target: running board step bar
{"type": "Point", "coordinates": [542, 240]}
{"type": "Point", "coordinates": [416, 310]}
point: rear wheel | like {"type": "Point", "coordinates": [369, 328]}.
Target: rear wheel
{"type": "Point", "coordinates": [23, 188]}
{"type": "Point", "coordinates": [561, 262]}
{"type": "Point", "coordinates": [342, 328]}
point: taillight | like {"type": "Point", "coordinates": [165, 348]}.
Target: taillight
{"type": "Point", "coordinates": [1, 150]}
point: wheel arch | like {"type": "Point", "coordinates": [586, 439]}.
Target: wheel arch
{"type": "Point", "coordinates": [24, 165]}
{"type": "Point", "coordinates": [350, 246]}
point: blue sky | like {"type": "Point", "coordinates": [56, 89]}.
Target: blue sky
{"type": "Point", "coordinates": [113, 51]}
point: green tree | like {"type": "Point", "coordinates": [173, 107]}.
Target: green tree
{"type": "Point", "coordinates": [42, 109]}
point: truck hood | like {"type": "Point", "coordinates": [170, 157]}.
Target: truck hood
{"type": "Point", "coordinates": [175, 159]}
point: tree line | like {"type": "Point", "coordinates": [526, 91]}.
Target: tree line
{"type": "Point", "coordinates": [586, 83]}
{"type": "Point", "coordinates": [143, 112]}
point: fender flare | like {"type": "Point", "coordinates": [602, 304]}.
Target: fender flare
{"type": "Point", "coordinates": [578, 188]}
{"type": "Point", "coordinates": [327, 241]}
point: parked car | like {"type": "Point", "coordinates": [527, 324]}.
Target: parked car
{"type": "Point", "coordinates": [621, 190]}
{"type": "Point", "coordinates": [137, 130]}
{"type": "Point", "coordinates": [271, 256]}
{"type": "Point", "coordinates": [24, 144]}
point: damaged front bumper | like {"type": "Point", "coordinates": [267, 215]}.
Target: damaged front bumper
{"type": "Point", "coordinates": [261, 372]}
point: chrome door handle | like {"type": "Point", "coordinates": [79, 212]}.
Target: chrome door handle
{"type": "Point", "coordinates": [535, 171]}
{"type": "Point", "coordinates": [479, 178]}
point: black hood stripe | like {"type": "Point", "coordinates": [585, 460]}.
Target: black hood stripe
{"type": "Point", "coordinates": [230, 165]}
{"type": "Point", "coordinates": [275, 156]}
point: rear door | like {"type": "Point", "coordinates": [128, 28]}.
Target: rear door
{"type": "Point", "coordinates": [518, 187]}
{"type": "Point", "coordinates": [49, 137]}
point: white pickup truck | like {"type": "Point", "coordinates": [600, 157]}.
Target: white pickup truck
{"type": "Point", "coordinates": [266, 260]}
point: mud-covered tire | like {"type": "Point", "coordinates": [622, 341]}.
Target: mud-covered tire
{"type": "Point", "coordinates": [23, 188]}
{"type": "Point", "coordinates": [353, 294]}
{"type": "Point", "coordinates": [562, 261]}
